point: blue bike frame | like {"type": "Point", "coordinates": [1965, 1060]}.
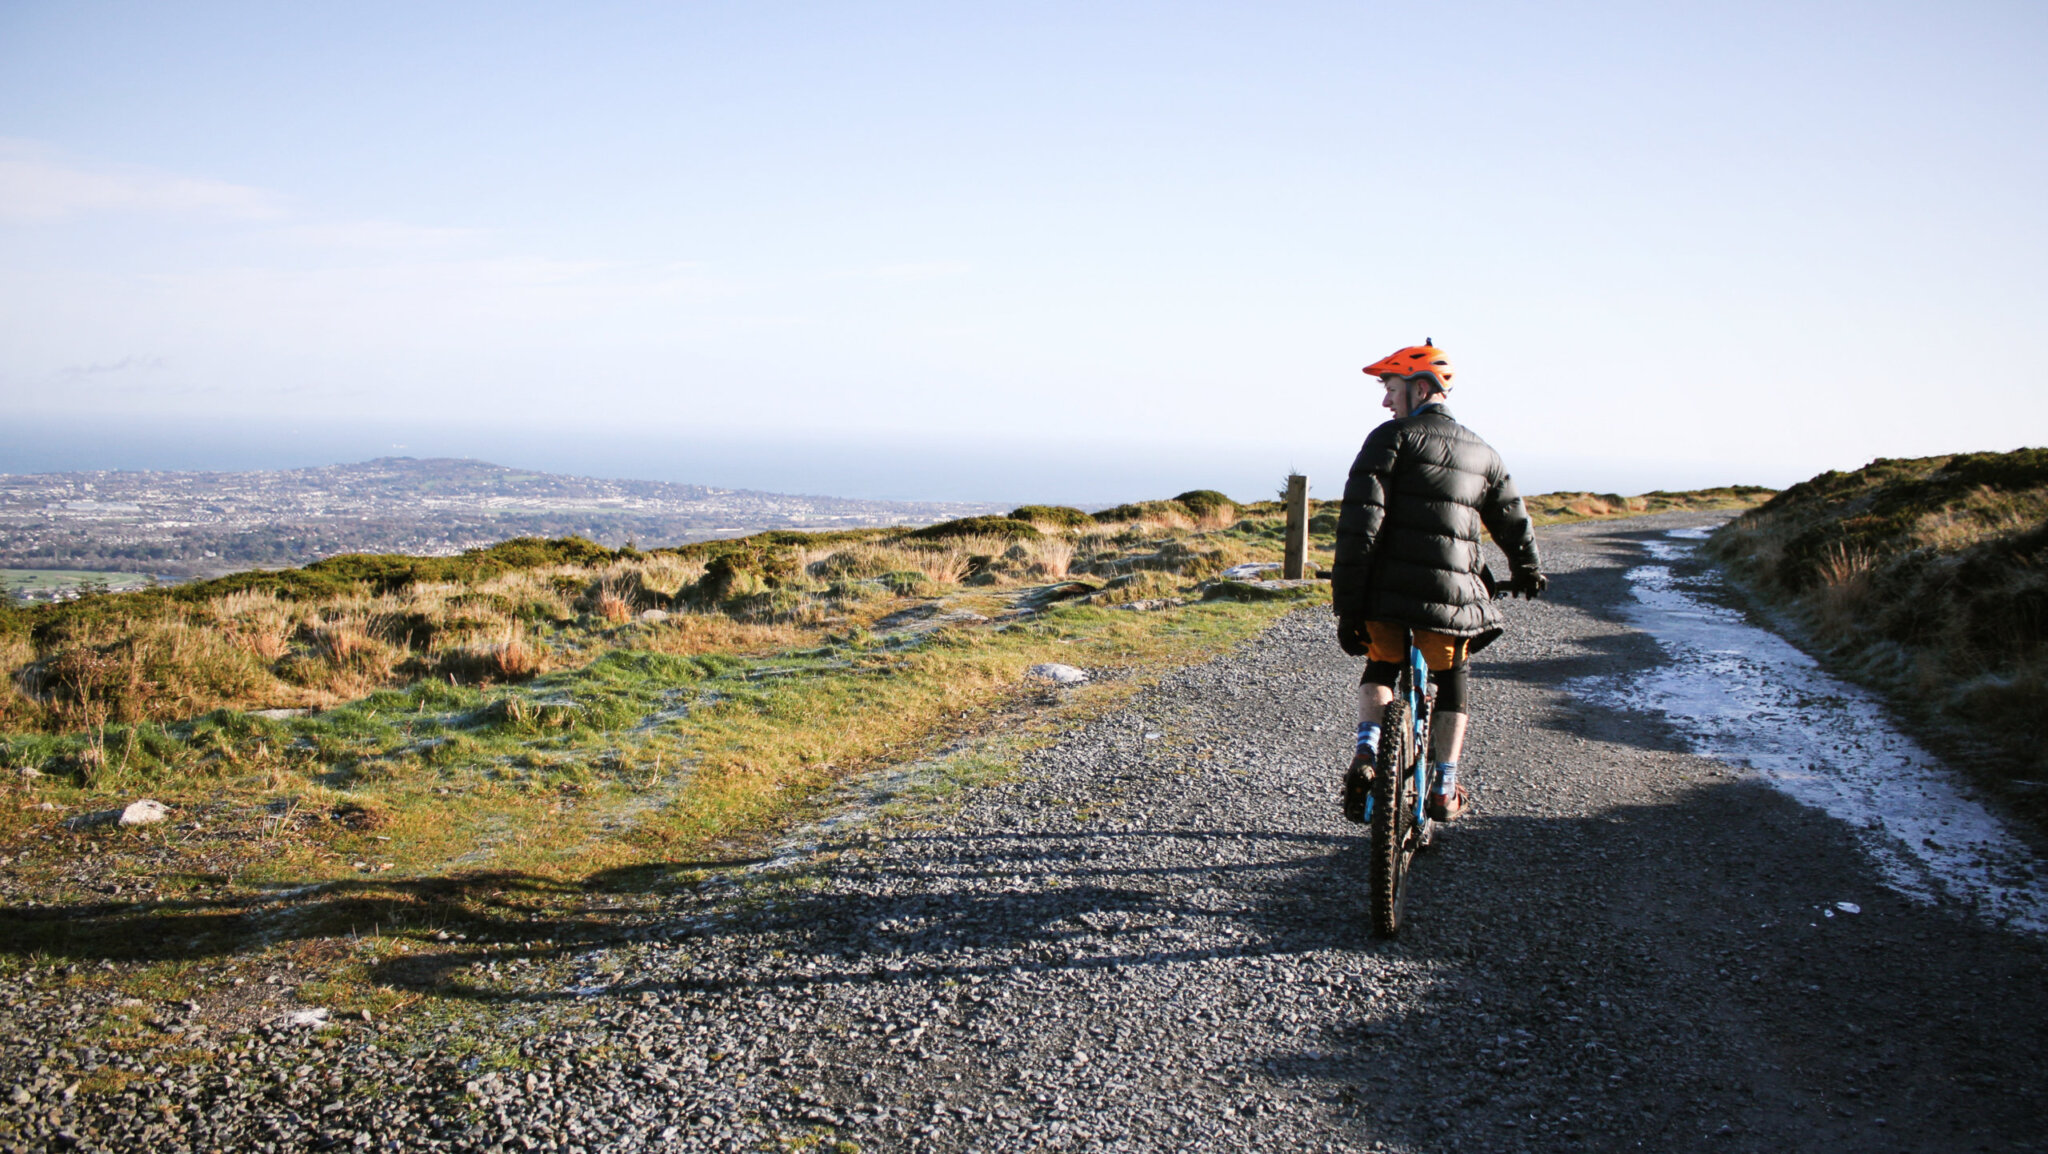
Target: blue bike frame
{"type": "Point", "coordinates": [1419, 701]}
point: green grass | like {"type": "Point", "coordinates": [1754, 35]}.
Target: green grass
{"type": "Point", "coordinates": [496, 810]}
{"type": "Point", "coordinates": [15, 582]}
{"type": "Point", "coordinates": [696, 746]}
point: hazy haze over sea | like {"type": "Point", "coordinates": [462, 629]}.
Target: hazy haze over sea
{"type": "Point", "coordinates": [1094, 469]}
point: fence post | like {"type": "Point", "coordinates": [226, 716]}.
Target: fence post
{"type": "Point", "coordinates": [1297, 527]}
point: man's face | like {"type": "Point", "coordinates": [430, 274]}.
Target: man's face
{"type": "Point", "coordinates": [1396, 400]}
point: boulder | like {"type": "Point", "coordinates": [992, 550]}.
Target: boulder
{"type": "Point", "coordinates": [1263, 590]}
{"type": "Point", "coordinates": [1056, 673]}
{"type": "Point", "coordinates": [1066, 589]}
{"type": "Point", "coordinates": [143, 812]}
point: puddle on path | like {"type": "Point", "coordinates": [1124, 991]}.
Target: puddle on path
{"type": "Point", "coordinates": [1748, 697]}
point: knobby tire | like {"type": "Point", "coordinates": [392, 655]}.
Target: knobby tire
{"type": "Point", "coordinates": [1393, 819]}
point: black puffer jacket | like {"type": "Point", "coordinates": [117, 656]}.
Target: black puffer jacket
{"type": "Point", "coordinates": [1408, 536]}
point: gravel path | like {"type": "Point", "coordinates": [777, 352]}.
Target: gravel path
{"type": "Point", "coordinates": [1152, 937]}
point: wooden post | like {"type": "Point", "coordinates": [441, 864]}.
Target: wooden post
{"type": "Point", "coordinates": [1297, 527]}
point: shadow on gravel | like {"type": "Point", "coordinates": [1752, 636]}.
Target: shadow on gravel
{"type": "Point", "coordinates": [1685, 976]}
{"type": "Point", "coordinates": [994, 904]}
{"type": "Point", "coordinates": [1681, 976]}
{"type": "Point", "coordinates": [484, 907]}
{"type": "Point", "coordinates": [1668, 975]}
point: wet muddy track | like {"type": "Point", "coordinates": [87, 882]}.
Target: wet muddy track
{"type": "Point", "coordinates": [1152, 937]}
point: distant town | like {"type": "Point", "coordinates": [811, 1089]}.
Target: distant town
{"type": "Point", "coordinates": [60, 532]}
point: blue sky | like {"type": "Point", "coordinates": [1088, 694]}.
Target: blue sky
{"type": "Point", "coordinates": [1665, 244]}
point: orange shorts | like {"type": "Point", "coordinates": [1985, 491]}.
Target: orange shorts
{"type": "Point", "coordinates": [1439, 651]}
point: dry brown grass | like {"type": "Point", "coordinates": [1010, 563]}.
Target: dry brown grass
{"type": "Point", "coordinates": [1049, 557]}
{"type": "Point", "coordinates": [946, 563]}
{"type": "Point", "coordinates": [151, 670]}
{"type": "Point", "coordinates": [1842, 598]}
{"type": "Point", "coordinates": [691, 633]}
{"type": "Point", "coordinates": [509, 656]}
{"type": "Point", "coordinates": [1143, 585]}
{"type": "Point", "coordinates": [1553, 508]}
{"type": "Point", "coordinates": [612, 606]}
{"type": "Point", "coordinates": [858, 562]}
{"type": "Point", "coordinates": [18, 711]}
{"type": "Point", "coordinates": [1155, 522]}
{"type": "Point", "coordinates": [257, 620]}
{"type": "Point", "coordinates": [164, 658]}
{"type": "Point", "coordinates": [1983, 515]}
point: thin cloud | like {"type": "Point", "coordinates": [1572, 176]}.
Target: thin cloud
{"type": "Point", "coordinates": [36, 186]}
{"type": "Point", "coordinates": [124, 365]}
{"type": "Point", "coordinates": [923, 270]}
{"type": "Point", "coordinates": [377, 234]}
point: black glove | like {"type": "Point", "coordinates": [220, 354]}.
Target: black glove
{"type": "Point", "coordinates": [1351, 636]}
{"type": "Point", "coordinates": [1528, 583]}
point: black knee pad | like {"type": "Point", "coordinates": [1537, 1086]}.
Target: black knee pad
{"type": "Point", "coordinates": [1387, 673]}
{"type": "Point", "coordinates": [1451, 688]}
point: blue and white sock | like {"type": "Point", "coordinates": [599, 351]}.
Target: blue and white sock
{"type": "Point", "coordinates": [1369, 738]}
{"type": "Point", "coordinates": [1446, 778]}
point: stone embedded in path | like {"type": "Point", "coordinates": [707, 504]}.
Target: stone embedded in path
{"type": "Point", "coordinates": [1066, 589]}
{"type": "Point", "coordinates": [144, 812]}
{"type": "Point", "coordinates": [1263, 590]}
{"type": "Point", "coordinates": [1056, 673]}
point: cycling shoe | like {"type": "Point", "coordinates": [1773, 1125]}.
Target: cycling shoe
{"type": "Point", "coordinates": [1358, 785]}
{"type": "Point", "coordinates": [1447, 807]}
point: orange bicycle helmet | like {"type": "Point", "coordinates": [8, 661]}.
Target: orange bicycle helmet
{"type": "Point", "coordinates": [1415, 360]}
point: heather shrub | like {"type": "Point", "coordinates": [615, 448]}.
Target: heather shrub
{"type": "Point", "coordinates": [1055, 516]}
{"type": "Point", "coordinates": [861, 561]}
{"type": "Point", "coordinates": [1007, 528]}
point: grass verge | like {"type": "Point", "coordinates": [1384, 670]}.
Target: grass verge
{"type": "Point", "coordinates": [554, 811]}
{"type": "Point", "coordinates": [1926, 579]}
{"type": "Point", "coordinates": [1565, 508]}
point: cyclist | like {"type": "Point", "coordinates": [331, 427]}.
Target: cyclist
{"type": "Point", "coordinates": [1408, 559]}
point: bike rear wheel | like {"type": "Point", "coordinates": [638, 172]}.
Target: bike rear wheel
{"type": "Point", "coordinates": [1393, 820]}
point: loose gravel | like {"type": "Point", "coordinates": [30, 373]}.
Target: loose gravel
{"type": "Point", "coordinates": [1151, 935]}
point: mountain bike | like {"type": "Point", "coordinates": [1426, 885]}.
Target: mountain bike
{"type": "Point", "coordinates": [1403, 780]}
